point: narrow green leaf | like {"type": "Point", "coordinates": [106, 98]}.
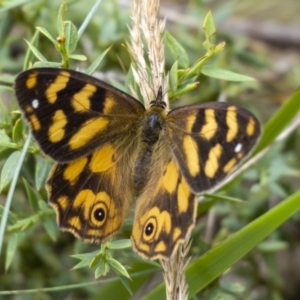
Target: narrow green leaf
{"type": "Point", "coordinates": [173, 76]}
{"type": "Point", "coordinates": [8, 169]}
{"type": "Point", "coordinates": [46, 64]}
{"type": "Point", "coordinates": [91, 69]}
{"type": "Point", "coordinates": [71, 35]}
{"type": "Point", "coordinates": [185, 89]}
{"type": "Point", "coordinates": [17, 131]}
{"type": "Point", "coordinates": [60, 18]}
{"type": "Point", "coordinates": [51, 228]}
{"type": "Point", "coordinates": [232, 286]}
{"type": "Point", "coordinates": [117, 267]}
{"type": "Point", "coordinates": [45, 32]}
{"type": "Point", "coordinates": [12, 246]}
{"type": "Point", "coordinates": [29, 57]}
{"type": "Point", "coordinates": [102, 269]}
{"type": "Point", "coordinates": [79, 57]}
{"type": "Point", "coordinates": [215, 262]}
{"type": "Point", "coordinates": [85, 256]}
{"type": "Point", "coordinates": [7, 79]}
{"type": "Point", "coordinates": [11, 190]}
{"type": "Point", "coordinates": [88, 17]}
{"type": "Point", "coordinates": [215, 72]}
{"type": "Point", "coordinates": [32, 197]}
{"type": "Point", "coordinates": [11, 219]}
{"type": "Point", "coordinates": [219, 196]}
{"type": "Point", "coordinates": [42, 171]}
{"type": "Point", "coordinates": [4, 137]}
{"type": "Point", "coordinates": [126, 284]}
{"type": "Point", "coordinates": [36, 52]}
{"type": "Point", "coordinates": [272, 246]}
{"type": "Point", "coordinates": [176, 51]}
{"type": "Point", "coordinates": [209, 25]}
{"type": "Point", "coordinates": [120, 244]}
{"type": "Point", "coordinates": [279, 121]}
{"type": "Point", "coordinates": [81, 264]}
{"type": "Point", "coordinates": [12, 4]}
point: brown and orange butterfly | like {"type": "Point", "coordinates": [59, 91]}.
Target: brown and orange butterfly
{"type": "Point", "coordinates": [110, 149]}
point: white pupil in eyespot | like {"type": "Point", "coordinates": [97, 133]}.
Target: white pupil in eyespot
{"type": "Point", "coordinates": [35, 103]}
{"type": "Point", "coordinates": [238, 148]}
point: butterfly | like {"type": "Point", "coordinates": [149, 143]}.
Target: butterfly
{"type": "Point", "coordinates": [109, 149]}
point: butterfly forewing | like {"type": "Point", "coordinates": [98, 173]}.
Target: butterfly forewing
{"type": "Point", "coordinates": [72, 114]}
{"type": "Point", "coordinates": [209, 140]}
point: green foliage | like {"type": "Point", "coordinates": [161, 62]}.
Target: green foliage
{"type": "Point", "coordinates": [35, 250]}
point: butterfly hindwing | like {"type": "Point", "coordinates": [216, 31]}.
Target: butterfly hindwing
{"type": "Point", "coordinates": [90, 197]}
{"type": "Point", "coordinates": [209, 140]}
{"type": "Point", "coordinates": [71, 114]}
{"type": "Point", "coordinates": [165, 210]}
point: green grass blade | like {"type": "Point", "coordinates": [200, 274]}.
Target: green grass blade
{"type": "Point", "coordinates": [216, 261]}
{"type": "Point", "coordinates": [11, 191]}
{"type": "Point", "coordinates": [88, 18]}
{"type": "Point", "coordinates": [279, 121]}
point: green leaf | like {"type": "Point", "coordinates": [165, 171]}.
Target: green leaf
{"type": "Point", "coordinates": [60, 18]}
{"type": "Point", "coordinates": [12, 4]}
{"type": "Point", "coordinates": [120, 244]}
{"type": "Point", "coordinates": [90, 70]}
{"type": "Point", "coordinates": [4, 137]}
{"type": "Point", "coordinates": [8, 169]}
{"type": "Point", "coordinates": [232, 286]}
{"type": "Point", "coordinates": [79, 57]}
{"type": "Point", "coordinates": [219, 196]}
{"type": "Point", "coordinates": [117, 267]}
{"type": "Point", "coordinates": [45, 32]}
{"type": "Point", "coordinates": [12, 246]}
{"type": "Point", "coordinates": [215, 262]}
{"type": "Point", "coordinates": [17, 131]}
{"type": "Point", "coordinates": [279, 121]}
{"type": "Point", "coordinates": [11, 219]}
{"type": "Point", "coordinates": [81, 264]}
{"type": "Point", "coordinates": [46, 64]}
{"type": "Point", "coordinates": [176, 51]}
{"type": "Point", "coordinates": [102, 269]}
{"type": "Point", "coordinates": [36, 52]}
{"type": "Point", "coordinates": [42, 171]}
{"type": "Point", "coordinates": [173, 77]}
{"type": "Point", "coordinates": [7, 79]}
{"type": "Point", "coordinates": [126, 284]}
{"type": "Point", "coordinates": [51, 228]}
{"type": "Point", "coordinates": [71, 35]}
{"type": "Point", "coordinates": [29, 54]}
{"type": "Point", "coordinates": [215, 72]}
{"type": "Point", "coordinates": [209, 25]}
{"type": "Point", "coordinates": [89, 17]}
{"type": "Point", "coordinates": [272, 246]}
{"type": "Point", "coordinates": [32, 197]}
{"type": "Point", "coordinates": [183, 90]}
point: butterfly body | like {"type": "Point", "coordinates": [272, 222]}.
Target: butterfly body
{"type": "Point", "coordinates": [110, 149]}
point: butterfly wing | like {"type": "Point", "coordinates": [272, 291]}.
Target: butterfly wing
{"type": "Point", "coordinates": [92, 195]}
{"type": "Point", "coordinates": [165, 210]}
{"type": "Point", "coordinates": [71, 114]}
{"type": "Point", "coordinates": [209, 140]}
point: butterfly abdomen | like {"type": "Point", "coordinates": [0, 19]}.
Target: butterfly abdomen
{"type": "Point", "coordinates": [153, 122]}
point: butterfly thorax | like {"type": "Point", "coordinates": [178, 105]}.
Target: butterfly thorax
{"type": "Point", "coordinates": [152, 125]}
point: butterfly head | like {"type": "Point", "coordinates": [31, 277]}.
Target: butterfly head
{"type": "Point", "coordinates": [158, 102]}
